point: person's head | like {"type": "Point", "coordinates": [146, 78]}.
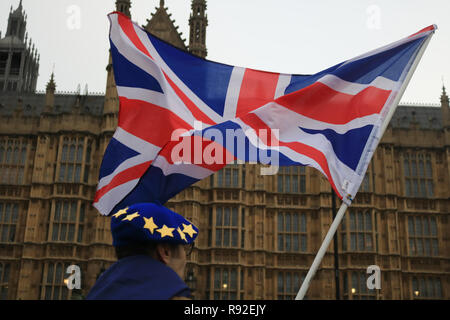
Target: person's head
{"type": "Point", "coordinates": [152, 229]}
{"type": "Point", "coordinates": [172, 255]}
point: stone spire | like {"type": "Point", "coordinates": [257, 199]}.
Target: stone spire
{"type": "Point", "coordinates": [163, 26]}
{"type": "Point", "coordinates": [17, 23]}
{"type": "Point", "coordinates": [124, 7]}
{"type": "Point", "coordinates": [198, 23]}
{"type": "Point", "coordinates": [445, 112]}
{"type": "Point", "coordinates": [50, 94]}
{"type": "Point", "coordinates": [111, 104]}
{"type": "Point", "coordinates": [51, 85]}
{"type": "Point", "coordinates": [444, 97]}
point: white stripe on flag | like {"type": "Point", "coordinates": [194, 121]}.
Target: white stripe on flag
{"type": "Point", "coordinates": [129, 163]}
{"type": "Point", "coordinates": [234, 89]}
{"type": "Point", "coordinates": [110, 199]}
{"type": "Point", "coordinates": [144, 147]}
{"type": "Point", "coordinates": [188, 169]}
{"type": "Point", "coordinates": [283, 81]}
{"type": "Point", "coordinates": [353, 88]}
{"type": "Point", "coordinates": [277, 116]}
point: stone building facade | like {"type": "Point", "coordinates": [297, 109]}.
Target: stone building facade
{"type": "Point", "coordinates": [259, 234]}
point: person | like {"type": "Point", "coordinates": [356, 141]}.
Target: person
{"type": "Point", "coordinates": [152, 244]}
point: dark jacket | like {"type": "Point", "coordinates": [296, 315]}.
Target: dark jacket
{"type": "Point", "coordinates": [138, 278]}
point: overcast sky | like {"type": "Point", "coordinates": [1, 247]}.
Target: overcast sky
{"type": "Point", "coordinates": [290, 36]}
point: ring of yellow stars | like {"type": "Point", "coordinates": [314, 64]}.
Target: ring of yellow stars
{"type": "Point", "coordinates": [182, 235]}
{"type": "Point", "coordinates": [166, 231]}
{"type": "Point", "coordinates": [150, 225]}
{"type": "Point", "coordinates": [189, 230]}
{"type": "Point", "coordinates": [120, 213]}
{"type": "Point", "coordinates": [131, 216]}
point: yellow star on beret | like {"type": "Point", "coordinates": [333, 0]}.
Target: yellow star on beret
{"type": "Point", "coordinates": [131, 216]}
{"type": "Point", "coordinates": [182, 235]}
{"type": "Point", "coordinates": [120, 212]}
{"type": "Point", "coordinates": [150, 224]}
{"type": "Point", "coordinates": [166, 231]}
{"type": "Point", "coordinates": [188, 229]}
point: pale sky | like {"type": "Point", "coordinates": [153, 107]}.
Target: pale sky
{"type": "Point", "coordinates": [289, 36]}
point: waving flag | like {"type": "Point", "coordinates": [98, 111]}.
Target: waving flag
{"type": "Point", "coordinates": [330, 121]}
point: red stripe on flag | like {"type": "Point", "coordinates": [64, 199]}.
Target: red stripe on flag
{"type": "Point", "coordinates": [430, 28]}
{"type": "Point", "coordinates": [122, 177]}
{"type": "Point", "coordinates": [148, 121]}
{"type": "Point", "coordinates": [257, 124]}
{"type": "Point", "coordinates": [257, 89]}
{"type": "Point", "coordinates": [127, 27]}
{"type": "Point", "coordinates": [320, 102]}
{"type": "Point", "coordinates": [196, 146]}
{"type": "Point", "coordinates": [196, 112]}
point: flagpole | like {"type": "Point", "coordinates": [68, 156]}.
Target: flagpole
{"type": "Point", "coordinates": [323, 249]}
{"type": "Point", "coordinates": [337, 221]}
{"type": "Point", "coordinates": [336, 249]}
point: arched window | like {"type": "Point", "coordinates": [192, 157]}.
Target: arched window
{"type": "Point", "coordinates": [88, 154]}
{"type": "Point", "coordinates": [64, 153]}
{"type": "Point", "coordinates": [15, 213]}
{"type": "Point", "coordinates": [82, 212]}
{"type": "Point", "coordinates": [72, 153]}
{"type": "Point", "coordinates": [20, 176]}
{"type": "Point", "coordinates": [67, 225]}
{"type": "Point", "coordinates": [80, 153]}
{"type": "Point", "coordinates": [8, 219]}
{"type": "Point", "coordinates": [72, 158]}
{"type": "Point", "coordinates": [5, 176]}
{"type": "Point", "coordinates": [418, 175]}
{"type": "Point", "coordinates": [12, 175]}
{"type": "Point", "coordinates": [69, 173]}
{"type": "Point", "coordinates": [23, 156]}
{"type": "Point", "coordinates": [77, 173]}
{"type": "Point", "coordinates": [16, 156]}
{"type": "Point", "coordinates": [59, 273]}
{"type": "Point", "coordinates": [62, 173]}
{"type": "Point", "coordinates": [292, 180]}
{"type": "Point", "coordinates": [4, 280]}
{"type": "Point", "coordinates": [8, 155]}
{"type": "Point", "coordinates": [65, 215]}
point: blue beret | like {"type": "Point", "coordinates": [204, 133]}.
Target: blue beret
{"type": "Point", "coordinates": [150, 222]}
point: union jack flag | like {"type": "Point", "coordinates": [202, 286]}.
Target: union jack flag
{"type": "Point", "coordinates": [330, 120]}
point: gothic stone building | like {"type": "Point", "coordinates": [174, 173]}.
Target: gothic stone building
{"type": "Point", "coordinates": [259, 234]}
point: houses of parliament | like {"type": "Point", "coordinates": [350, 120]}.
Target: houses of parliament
{"type": "Point", "coordinates": [258, 234]}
